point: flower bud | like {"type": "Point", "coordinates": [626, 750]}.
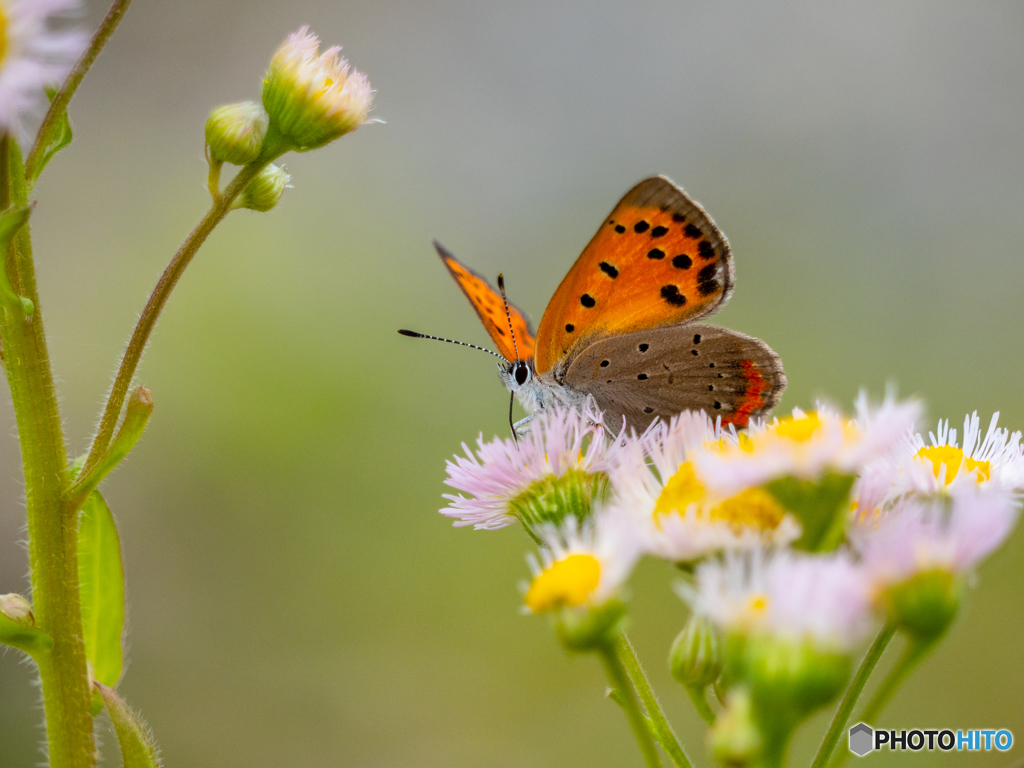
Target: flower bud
{"type": "Point", "coordinates": [925, 605]}
{"type": "Point", "coordinates": [17, 608]}
{"type": "Point", "coordinates": [264, 191]}
{"type": "Point", "coordinates": [313, 99]}
{"type": "Point", "coordinates": [735, 740]}
{"type": "Point", "coordinates": [585, 628]}
{"type": "Point", "coordinates": [235, 132]}
{"type": "Point", "coordinates": [552, 499]}
{"type": "Point", "coordinates": [696, 655]}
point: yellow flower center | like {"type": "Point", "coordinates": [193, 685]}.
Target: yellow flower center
{"type": "Point", "coordinates": [757, 604]}
{"type": "Point", "coordinates": [569, 581]}
{"type": "Point", "coordinates": [799, 428]}
{"type": "Point", "coordinates": [681, 490]}
{"type": "Point", "coordinates": [3, 33]}
{"type": "Point", "coordinates": [753, 508]}
{"type": "Point", "coordinates": [952, 458]}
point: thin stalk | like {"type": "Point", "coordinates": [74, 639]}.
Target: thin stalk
{"type": "Point", "coordinates": [52, 529]}
{"type": "Point", "coordinates": [912, 656]}
{"type": "Point", "coordinates": [699, 697]}
{"type": "Point", "coordinates": [662, 729]}
{"type": "Point", "coordinates": [853, 691]}
{"type": "Point", "coordinates": [62, 98]}
{"type": "Point", "coordinates": [627, 700]}
{"type": "Point", "coordinates": [157, 299]}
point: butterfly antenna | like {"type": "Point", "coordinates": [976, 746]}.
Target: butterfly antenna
{"type": "Point", "coordinates": [508, 315]}
{"type": "Point", "coordinates": [415, 335]}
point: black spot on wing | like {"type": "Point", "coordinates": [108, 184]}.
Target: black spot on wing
{"type": "Point", "coordinates": [569, 327]}
{"type": "Point", "coordinates": [609, 269]}
{"type": "Point", "coordinates": [693, 232]}
{"type": "Point", "coordinates": [644, 347]}
{"type": "Point", "coordinates": [619, 228]}
{"type": "Point", "coordinates": [706, 250]}
{"type": "Point", "coordinates": [678, 218]}
{"type": "Point", "coordinates": [587, 301]}
{"type": "Point", "coordinates": [671, 294]}
{"type": "Point", "coordinates": [659, 231]}
{"type": "Point", "coordinates": [706, 288]}
{"type": "Point", "coordinates": [682, 261]}
{"type": "Point", "coordinates": [655, 253]}
{"type": "Point", "coordinates": [641, 226]}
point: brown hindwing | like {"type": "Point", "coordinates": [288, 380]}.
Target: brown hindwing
{"type": "Point", "coordinates": [660, 372]}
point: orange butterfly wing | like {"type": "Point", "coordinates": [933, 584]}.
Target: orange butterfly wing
{"type": "Point", "coordinates": [491, 310]}
{"type": "Point", "coordinates": [658, 260]}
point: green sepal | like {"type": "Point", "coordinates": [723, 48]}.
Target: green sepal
{"type": "Point", "coordinates": [101, 577]}
{"type": "Point", "coordinates": [136, 417]}
{"type": "Point", "coordinates": [138, 750]}
{"type": "Point", "coordinates": [586, 628]}
{"type": "Point", "coordinates": [17, 627]}
{"type": "Point", "coordinates": [822, 507]}
{"type": "Point", "coordinates": [11, 222]}
{"type": "Point", "coordinates": [789, 680]}
{"type": "Point", "coordinates": [925, 605]}
{"type": "Point", "coordinates": [61, 138]}
{"type": "Point", "coordinates": [551, 499]}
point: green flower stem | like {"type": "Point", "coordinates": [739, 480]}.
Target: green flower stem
{"type": "Point", "coordinates": [52, 530]}
{"type": "Point", "coordinates": [51, 122]}
{"type": "Point", "coordinates": [912, 656]}
{"type": "Point", "coordinates": [158, 298]}
{"type": "Point", "coordinates": [662, 729]}
{"type": "Point", "coordinates": [699, 697]}
{"type": "Point", "coordinates": [611, 657]}
{"type": "Point", "coordinates": [853, 691]}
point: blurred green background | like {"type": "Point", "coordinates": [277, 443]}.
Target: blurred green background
{"type": "Point", "coordinates": [295, 599]}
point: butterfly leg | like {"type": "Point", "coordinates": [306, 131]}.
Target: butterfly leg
{"type": "Point", "coordinates": [520, 426]}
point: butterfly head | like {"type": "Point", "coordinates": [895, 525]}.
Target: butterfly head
{"type": "Point", "coordinates": [516, 374]}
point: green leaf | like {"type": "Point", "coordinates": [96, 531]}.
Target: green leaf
{"type": "Point", "coordinates": [138, 749]}
{"type": "Point", "coordinates": [140, 408]}
{"type": "Point", "coordinates": [822, 507]}
{"type": "Point", "coordinates": [61, 138]}
{"type": "Point", "coordinates": [102, 589]}
{"type": "Point", "coordinates": [17, 627]}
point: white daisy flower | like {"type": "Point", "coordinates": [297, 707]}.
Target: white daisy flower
{"type": "Point", "coordinates": [313, 98]}
{"type": "Point", "coordinates": [941, 465]}
{"type": "Point", "coordinates": [918, 535]}
{"type": "Point", "coordinates": [581, 564]}
{"type": "Point", "coordinates": [32, 56]}
{"type": "Point", "coordinates": [557, 469]}
{"type": "Point", "coordinates": [807, 445]}
{"type": "Point", "coordinates": [676, 515]}
{"type": "Point", "coordinates": [785, 595]}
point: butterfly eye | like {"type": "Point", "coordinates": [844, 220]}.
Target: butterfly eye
{"type": "Point", "coordinates": [522, 373]}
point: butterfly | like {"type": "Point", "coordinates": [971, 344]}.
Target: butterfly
{"type": "Point", "coordinates": [621, 326]}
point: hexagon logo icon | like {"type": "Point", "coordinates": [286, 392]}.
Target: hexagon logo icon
{"type": "Point", "coordinates": [862, 739]}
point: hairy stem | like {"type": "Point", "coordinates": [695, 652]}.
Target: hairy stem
{"type": "Point", "coordinates": [619, 681]}
{"type": "Point", "coordinates": [157, 299]}
{"type": "Point", "coordinates": [662, 729]}
{"type": "Point", "coordinates": [52, 529]}
{"type": "Point", "coordinates": [60, 102]}
{"type": "Point", "coordinates": [853, 691]}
